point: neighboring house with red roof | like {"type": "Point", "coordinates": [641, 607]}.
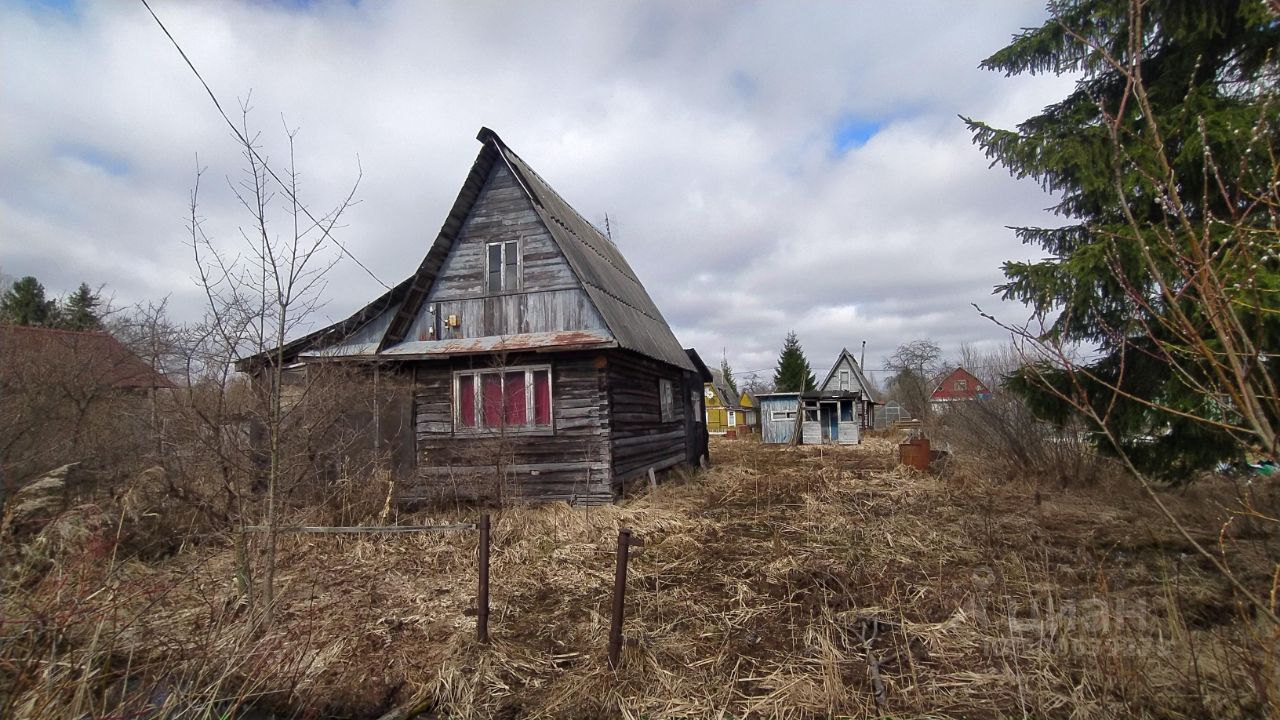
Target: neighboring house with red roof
{"type": "Point", "coordinates": [70, 397]}
{"type": "Point", "coordinates": [959, 385]}
{"type": "Point", "coordinates": [90, 358]}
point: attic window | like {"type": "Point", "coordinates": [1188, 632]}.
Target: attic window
{"type": "Point", "coordinates": [844, 379]}
{"type": "Point", "coordinates": [962, 385]}
{"type": "Point", "coordinates": [502, 267]}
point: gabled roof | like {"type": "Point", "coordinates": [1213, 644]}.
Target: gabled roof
{"type": "Point", "coordinates": [623, 303]}
{"type": "Point", "coordinates": [727, 397]}
{"type": "Point", "coordinates": [857, 371]}
{"type": "Point", "coordinates": [976, 388]}
{"type": "Point", "coordinates": [98, 357]}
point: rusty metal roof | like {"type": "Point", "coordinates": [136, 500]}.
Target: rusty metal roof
{"type": "Point", "coordinates": [528, 342]}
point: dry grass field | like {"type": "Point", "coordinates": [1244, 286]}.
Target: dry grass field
{"type": "Point", "coordinates": [782, 583]}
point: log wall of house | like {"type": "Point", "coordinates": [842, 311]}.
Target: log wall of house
{"type": "Point", "coordinates": [569, 462]}
{"type": "Point", "coordinates": [640, 439]}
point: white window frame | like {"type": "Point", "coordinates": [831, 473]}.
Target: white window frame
{"type": "Point", "coordinates": [477, 399]}
{"type": "Point", "coordinates": [666, 400]}
{"type": "Point", "coordinates": [733, 418]}
{"type": "Point", "coordinates": [782, 415]}
{"type": "Point", "coordinates": [502, 269]}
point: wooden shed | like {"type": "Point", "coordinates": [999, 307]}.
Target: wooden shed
{"type": "Point", "coordinates": [778, 412]}
{"type": "Point", "coordinates": [539, 365]}
{"type": "Point", "coordinates": [820, 417]}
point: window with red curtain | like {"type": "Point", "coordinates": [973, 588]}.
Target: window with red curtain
{"type": "Point", "coordinates": [514, 391]}
{"type": "Point", "coordinates": [541, 397]}
{"type": "Point", "coordinates": [467, 400]}
{"type": "Point", "coordinates": [491, 399]}
{"type": "Point", "coordinates": [514, 398]}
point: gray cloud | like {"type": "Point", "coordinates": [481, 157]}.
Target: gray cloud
{"type": "Point", "coordinates": [706, 132]}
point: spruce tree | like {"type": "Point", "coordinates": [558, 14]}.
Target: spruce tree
{"type": "Point", "coordinates": [80, 310]}
{"type": "Point", "coordinates": [727, 372]}
{"type": "Point", "coordinates": [1147, 167]}
{"type": "Point", "coordinates": [25, 304]}
{"type": "Point", "coordinates": [793, 373]}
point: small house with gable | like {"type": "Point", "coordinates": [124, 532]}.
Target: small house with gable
{"type": "Point", "coordinates": [959, 385]}
{"type": "Point", "coordinates": [837, 412]}
{"type": "Point", "coordinates": [536, 358]}
{"type": "Point", "coordinates": [846, 376]}
{"type": "Point", "coordinates": [725, 414]}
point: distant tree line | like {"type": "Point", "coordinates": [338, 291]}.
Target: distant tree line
{"type": "Point", "coordinates": [26, 303]}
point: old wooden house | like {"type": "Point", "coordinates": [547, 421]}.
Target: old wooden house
{"type": "Point", "coordinates": [539, 365]}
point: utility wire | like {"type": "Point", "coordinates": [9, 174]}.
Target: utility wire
{"type": "Point", "coordinates": [249, 145]}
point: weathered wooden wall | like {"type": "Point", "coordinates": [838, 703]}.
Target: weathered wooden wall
{"type": "Point", "coordinates": [695, 421]}
{"type": "Point", "coordinates": [550, 297]}
{"type": "Point", "coordinates": [781, 430]}
{"type": "Point", "coordinates": [570, 462]}
{"type": "Point", "coordinates": [640, 439]}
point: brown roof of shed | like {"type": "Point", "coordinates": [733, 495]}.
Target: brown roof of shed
{"type": "Point", "coordinates": [100, 357]}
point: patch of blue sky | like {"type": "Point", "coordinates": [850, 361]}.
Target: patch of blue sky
{"type": "Point", "coordinates": [303, 5]}
{"type": "Point", "coordinates": [114, 165]}
{"type": "Point", "coordinates": [69, 8]}
{"type": "Point", "coordinates": [853, 132]}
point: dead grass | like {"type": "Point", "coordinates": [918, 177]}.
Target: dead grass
{"type": "Point", "coordinates": [783, 583]}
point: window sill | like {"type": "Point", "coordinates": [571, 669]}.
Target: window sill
{"type": "Point", "coordinates": [504, 432]}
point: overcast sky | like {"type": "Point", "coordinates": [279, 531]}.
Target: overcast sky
{"type": "Point", "coordinates": [765, 166]}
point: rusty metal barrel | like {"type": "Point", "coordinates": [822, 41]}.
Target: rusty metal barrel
{"type": "Point", "coordinates": [915, 453]}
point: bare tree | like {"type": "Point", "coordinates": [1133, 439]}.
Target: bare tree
{"type": "Point", "coordinates": [914, 365]}
{"type": "Point", "coordinates": [256, 300]}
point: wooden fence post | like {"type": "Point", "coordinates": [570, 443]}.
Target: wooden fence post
{"type": "Point", "coordinates": [482, 611]}
{"type": "Point", "coordinates": [625, 541]}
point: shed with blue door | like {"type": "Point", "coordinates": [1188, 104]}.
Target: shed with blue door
{"type": "Point", "coordinates": [819, 417]}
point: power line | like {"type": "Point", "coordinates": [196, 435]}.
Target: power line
{"type": "Point", "coordinates": [249, 145]}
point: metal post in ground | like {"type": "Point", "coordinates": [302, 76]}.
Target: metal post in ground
{"type": "Point", "coordinates": [482, 611]}
{"type": "Point", "coordinates": [625, 541]}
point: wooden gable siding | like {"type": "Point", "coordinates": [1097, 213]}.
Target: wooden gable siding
{"type": "Point", "coordinates": [571, 462]}
{"type": "Point", "coordinates": [833, 383]}
{"type": "Point", "coordinates": [550, 297]}
{"type": "Point", "coordinates": [640, 438]}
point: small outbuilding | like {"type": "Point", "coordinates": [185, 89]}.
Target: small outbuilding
{"type": "Point", "coordinates": [778, 416]}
